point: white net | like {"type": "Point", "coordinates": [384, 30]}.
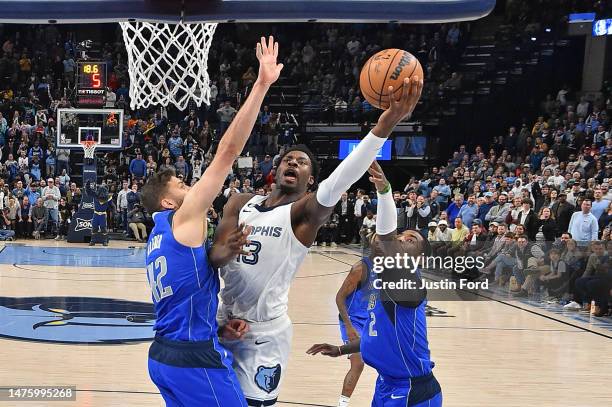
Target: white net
{"type": "Point", "coordinates": [89, 148]}
{"type": "Point", "coordinates": [168, 63]}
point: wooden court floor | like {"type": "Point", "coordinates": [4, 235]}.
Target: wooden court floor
{"type": "Point", "coordinates": [487, 353]}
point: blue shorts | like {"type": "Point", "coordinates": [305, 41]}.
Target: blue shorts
{"type": "Point", "coordinates": [421, 391]}
{"type": "Point", "coordinates": [358, 323]}
{"type": "Point", "coordinates": [194, 374]}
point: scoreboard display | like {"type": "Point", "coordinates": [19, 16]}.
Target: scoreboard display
{"type": "Point", "coordinates": [91, 83]}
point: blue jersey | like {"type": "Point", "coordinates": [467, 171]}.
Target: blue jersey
{"type": "Point", "coordinates": [402, 333]}
{"type": "Point", "coordinates": [183, 284]}
{"type": "Point", "coordinates": [357, 301]}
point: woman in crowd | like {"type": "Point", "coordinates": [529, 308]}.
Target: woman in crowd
{"type": "Point", "coordinates": [546, 227]}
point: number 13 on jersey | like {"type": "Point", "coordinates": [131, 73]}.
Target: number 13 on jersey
{"type": "Point", "coordinates": [156, 270]}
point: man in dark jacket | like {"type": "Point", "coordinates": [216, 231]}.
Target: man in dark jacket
{"type": "Point", "coordinates": [562, 212]}
{"type": "Point", "coordinates": [345, 209]}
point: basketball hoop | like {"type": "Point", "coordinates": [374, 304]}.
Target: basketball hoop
{"type": "Point", "coordinates": [89, 148]}
{"type": "Point", "coordinates": [168, 63]}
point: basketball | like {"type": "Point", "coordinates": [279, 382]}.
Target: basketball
{"type": "Point", "coordinates": [387, 68]}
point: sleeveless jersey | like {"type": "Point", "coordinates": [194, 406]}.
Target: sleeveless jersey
{"type": "Point", "coordinates": [402, 333]}
{"type": "Point", "coordinates": [184, 286]}
{"type": "Point", "coordinates": [257, 285]}
{"type": "Point", "coordinates": [357, 301]}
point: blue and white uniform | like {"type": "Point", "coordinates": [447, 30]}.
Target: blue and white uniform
{"type": "Point", "coordinates": [356, 306]}
{"type": "Point", "coordinates": [186, 361]}
{"type": "Point", "coordinates": [394, 342]}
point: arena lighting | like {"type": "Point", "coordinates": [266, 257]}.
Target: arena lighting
{"type": "Point", "coordinates": [533, 38]}
{"type": "Point", "coordinates": [548, 30]}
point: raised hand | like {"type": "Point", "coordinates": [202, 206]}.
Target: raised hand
{"type": "Point", "coordinates": [267, 53]}
{"type": "Point", "coordinates": [401, 108]}
{"type": "Point", "coordinates": [377, 176]}
{"type": "Point", "coordinates": [238, 239]}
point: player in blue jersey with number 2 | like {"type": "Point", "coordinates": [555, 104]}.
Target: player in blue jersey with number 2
{"type": "Point", "coordinates": [394, 339]}
{"type": "Point", "coordinates": [352, 303]}
{"type": "Point", "coordinates": [186, 361]}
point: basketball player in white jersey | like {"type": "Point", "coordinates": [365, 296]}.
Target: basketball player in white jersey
{"type": "Point", "coordinates": [283, 226]}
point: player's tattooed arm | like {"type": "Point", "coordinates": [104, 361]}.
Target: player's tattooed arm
{"type": "Point", "coordinates": [230, 237]}
{"type": "Point", "coordinates": [349, 286]}
{"type": "Point", "coordinates": [334, 350]}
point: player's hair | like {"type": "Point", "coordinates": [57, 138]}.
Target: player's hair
{"type": "Point", "coordinates": [155, 188]}
{"type": "Point", "coordinates": [314, 164]}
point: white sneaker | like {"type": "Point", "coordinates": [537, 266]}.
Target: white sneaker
{"type": "Point", "coordinates": [334, 245]}
{"type": "Point", "coordinates": [323, 244]}
{"type": "Point", "coordinates": [572, 306]}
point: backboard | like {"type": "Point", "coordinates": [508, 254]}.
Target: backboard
{"type": "Point", "coordinates": [105, 126]}
{"type": "Point", "coordinates": [109, 11]}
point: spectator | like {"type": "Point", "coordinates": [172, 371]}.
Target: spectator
{"type": "Point", "coordinates": [525, 217]}
{"type": "Point", "coordinates": [345, 210]}
{"type": "Point", "coordinates": [605, 218]}
{"type": "Point", "coordinates": [51, 197]}
{"type": "Point", "coordinates": [181, 167]}
{"type": "Point", "coordinates": [368, 227]}
{"type": "Point", "coordinates": [266, 165]}
{"type": "Point", "coordinates": [62, 160]}
{"type": "Point", "coordinates": [133, 197]}
{"type": "Point", "coordinates": [65, 215]}
{"type": "Point", "coordinates": [485, 207]}
{"type": "Point", "coordinates": [459, 233]}
{"type": "Point", "coordinates": [599, 205]}
{"type": "Point", "coordinates": [40, 215]}
{"type": "Point", "coordinates": [419, 215]}
{"type": "Point", "coordinates": [13, 208]}
{"type": "Point", "coordinates": [6, 233]}
{"type": "Point", "coordinates": [444, 193]}
{"type": "Point", "coordinates": [138, 167]}
{"type": "Point", "coordinates": [454, 208]}
{"type": "Point", "coordinates": [226, 114]}
{"type": "Point", "coordinates": [136, 219]}
{"type": "Point", "coordinates": [546, 226]}
{"type": "Point", "coordinates": [468, 212]}
{"type": "Point", "coordinates": [122, 205]}
{"type": "Point", "coordinates": [583, 225]}
{"type": "Point", "coordinates": [595, 282]}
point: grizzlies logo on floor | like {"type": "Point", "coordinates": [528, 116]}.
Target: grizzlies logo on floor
{"type": "Point", "coordinates": [268, 378]}
{"type": "Point", "coordinates": [77, 320]}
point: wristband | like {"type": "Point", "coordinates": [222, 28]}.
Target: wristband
{"type": "Point", "coordinates": [340, 350]}
{"type": "Point", "coordinates": [386, 189]}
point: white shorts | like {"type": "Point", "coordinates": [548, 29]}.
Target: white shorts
{"type": "Point", "coordinates": [260, 358]}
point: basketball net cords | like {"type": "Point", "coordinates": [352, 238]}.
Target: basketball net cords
{"type": "Point", "coordinates": [89, 148]}
{"type": "Point", "coordinates": [168, 63]}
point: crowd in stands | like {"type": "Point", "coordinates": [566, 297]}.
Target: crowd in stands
{"type": "Point", "coordinates": [535, 202]}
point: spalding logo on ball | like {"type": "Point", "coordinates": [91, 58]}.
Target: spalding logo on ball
{"type": "Point", "coordinates": [387, 68]}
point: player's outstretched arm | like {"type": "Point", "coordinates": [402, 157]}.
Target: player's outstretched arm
{"type": "Point", "coordinates": [386, 217]}
{"type": "Point", "coordinates": [230, 237]}
{"type": "Point", "coordinates": [308, 214]}
{"type": "Point", "coordinates": [350, 284]}
{"type": "Point", "coordinates": [334, 350]}
{"type": "Point", "coordinates": [197, 201]}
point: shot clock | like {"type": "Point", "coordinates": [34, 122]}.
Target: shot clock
{"type": "Point", "coordinates": [91, 83]}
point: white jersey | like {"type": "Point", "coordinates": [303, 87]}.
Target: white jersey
{"type": "Point", "coordinates": [257, 285]}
